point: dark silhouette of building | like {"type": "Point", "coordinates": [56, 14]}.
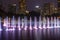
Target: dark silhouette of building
{"type": "Point", "coordinates": [58, 6]}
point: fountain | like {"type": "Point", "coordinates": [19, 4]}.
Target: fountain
{"type": "Point", "coordinates": [25, 22]}
{"type": "Point", "coordinates": [0, 24]}
{"type": "Point", "coordinates": [19, 27]}
{"type": "Point", "coordinates": [22, 21]}
{"type": "Point", "coordinates": [58, 23]}
{"type": "Point", "coordinates": [44, 22]}
{"type": "Point", "coordinates": [52, 22]}
{"type": "Point", "coordinates": [55, 22]}
{"type": "Point", "coordinates": [40, 27]}
{"type": "Point", "coordinates": [13, 23]}
{"type": "Point", "coordinates": [48, 23]}
{"type": "Point", "coordinates": [35, 23]}
{"type": "Point", "coordinates": [30, 24]}
{"type": "Point", "coordinates": [5, 25]}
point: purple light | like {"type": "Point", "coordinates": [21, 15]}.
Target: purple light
{"type": "Point", "coordinates": [30, 24]}
{"type": "Point", "coordinates": [35, 23]}
{"type": "Point", "coordinates": [30, 28]}
{"type": "Point", "coordinates": [25, 28]}
{"type": "Point", "coordinates": [5, 22]}
{"type": "Point", "coordinates": [0, 29]}
{"type": "Point", "coordinates": [42, 23]}
{"type": "Point", "coordinates": [0, 25]}
{"type": "Point", "coordinates": [13, 22]}
{"type": "Point", "coordinates": [25, 23]}
{"type": "Point", "coordinates": [22, 23]}
{"type": "Point", "coordinates": [35, 28]}
{"type": "Point", "coordinates": [10, 29]}
{"type": "Point", "coordinates": [40, 28]}
{"type": "Point", "coordinates": [19, 27]}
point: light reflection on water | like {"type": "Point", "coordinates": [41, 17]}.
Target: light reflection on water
{"type": "Point", "coordinates": [39, 34]}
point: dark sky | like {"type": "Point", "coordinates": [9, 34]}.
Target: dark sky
{"type": "Point", "coordinates": [30, 3]}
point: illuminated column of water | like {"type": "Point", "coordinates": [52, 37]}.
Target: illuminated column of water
{"type": "Point", "coordinates": [44, 22]}
{"type": "Point", "coordinates": [0, 24]}
{"type": "Point", "coordinates": [52, 22]}
{"type": "Point", "coordinates": [58, 23]}
{"type": "Point", "coordinates": [13, 23]}
{"type": "Point", "coordinates": [25, 22]}
{"type": "Point", "coordinates": [30, 23]}
{"type": "Point", "coordinates": [55, 22]}
{"type": "Point", "coordinates": [22, 23]}
{"type": "Point", "coordinates": [40, 27]}
{"type": "Point", "coordinates": [35, 23]}
{"type": "Point", "coordinates": [48, 22]}
{"type": "Point", "coordinates": [5, 23]}
{"type": "Point", "coordinates": [0, 29]}
{"type": "Point", "coordinates": [9, 22]}
{"type": "Point", "coordinates": [19, 23]}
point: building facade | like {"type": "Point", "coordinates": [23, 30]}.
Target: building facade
{"type": "Point", "coordinates": [58, 1]}
{"type": "Point", "coordinates": [48, 8]}
{"type": "Point", "coordinates": [22, 6]}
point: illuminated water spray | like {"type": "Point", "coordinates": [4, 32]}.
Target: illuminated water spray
{"type": "Point", "coordinates": [0, 24]}
{"type": "Point", "coordinates": [5, 23]}
{"type": "Point", "coordinates": [44, 22]}
{"type": "Point", "coordinates": [40, 27]}
{"type": "Point", "coordinates": [48, 23]}
{"type": "Point", "coordinates": [22, 21]}
{"type": "Point", "coordinates": [19, 27]}
{"type": "Point", "coordinates": [58, 23]}
{"type": "Point", "coordinates": [13, 23]}
{"type": "Point", "coordinates": [55, 22]}
{"type": "Point", "coordinates": [25, 22]}
{"type": "Point", "coordinates": [30, 24]}
{"type": "Point", "coordinates": [35, 23]}
{"type": "Point", "coordinates": [52, 23]}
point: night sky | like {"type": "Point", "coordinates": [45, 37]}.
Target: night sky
{"type": "Point", "coordinates": [30, 3]}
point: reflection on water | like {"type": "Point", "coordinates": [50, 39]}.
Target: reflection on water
{"type": "Point", "coordinates": [40, 34]}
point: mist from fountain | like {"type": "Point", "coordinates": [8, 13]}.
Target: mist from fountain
{"type": "Point", "coordinates": [30, 22]}
{"type": "Point", "coordinates": [13, 23]}
{"type": "Point", "coordinates": [35, 23]}
{"type": "Point", "coordinates": [25, 22]}
{"type": "Point", "coordinates": [40, 27]}
{"type": "Point", "coordinates": [42, 23]}
{"type": "Point", "coordinates": [19, 27]}
{"type": "Point", "coordinates": [0, 24]}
